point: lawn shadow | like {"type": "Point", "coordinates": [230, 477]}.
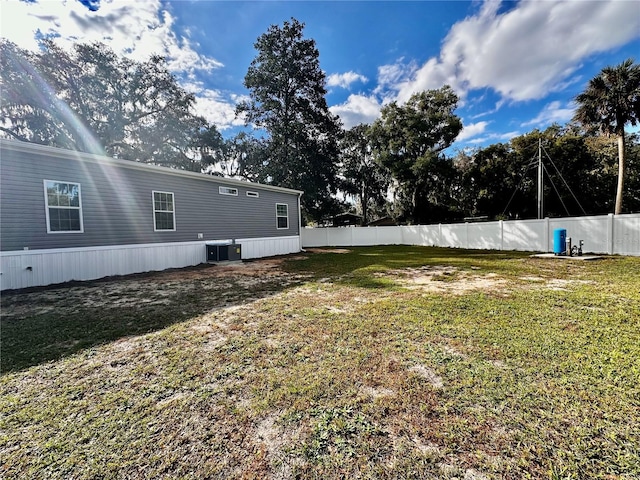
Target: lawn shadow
{"type": "Point", "coordinates": [45, 324]}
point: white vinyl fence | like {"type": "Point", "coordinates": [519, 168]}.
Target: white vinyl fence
{"type": "Point", "coordinates": [611, 234]}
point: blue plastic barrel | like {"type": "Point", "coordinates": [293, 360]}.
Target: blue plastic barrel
{"type": "Point", "coordinates": [559, 241]}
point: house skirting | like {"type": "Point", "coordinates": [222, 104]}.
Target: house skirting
{"type": "Point", "coordinates": [32, 268]}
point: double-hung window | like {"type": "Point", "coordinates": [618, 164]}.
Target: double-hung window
{"type": "Point", "coordinates": [63, 207]}
{"type": "Point", "coordinates": [164, 216]}
{"type": "Point", "coordinates": [282, 216]}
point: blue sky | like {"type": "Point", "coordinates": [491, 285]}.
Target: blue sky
{"type": "Point", "coordinates": [516, 66]}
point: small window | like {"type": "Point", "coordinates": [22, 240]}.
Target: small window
{"type": "Point", "coordinates": [282, 216]}
{"type": "Point", "coordinates": [228, 191]}
{"type": "Point", "coordinates": [63, 207]}
{"type": "Point", "coordinates": [164, 217]}
{"type": "Point", "coordinates": [253, 194]}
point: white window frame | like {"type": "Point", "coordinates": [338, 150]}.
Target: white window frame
{"type": "Point", "coordinates": [47, 206]}
{"type": "Point", "coordinates": [228, 191]}
{"type": "Point", "coordinates": [278, 216]}
{"type": "Point", "coordinates": [253, 194]}
{"type": "Point", "coordinates": [173, 212]}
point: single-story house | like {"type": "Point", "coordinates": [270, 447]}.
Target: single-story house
{"type": "Point", "coordinates": [345, 220]}
{"type": "Point", "coordinates": [383, 222]}
{"type": "Point", "coordinates": [66, 215]}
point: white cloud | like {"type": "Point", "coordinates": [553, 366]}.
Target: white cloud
{"type": "Point", "coordinates": [214, 106]}
{"type": "Point", "coordinates": [396, 73]}
{"type": "Point", "coordinates": [526, 52]}
{"type": "Point", "coordinates": [508, 135]}
{"type": "Point", "coordinates": [472, 130]}
{"type": "Point", "coordinates": [493, 137]}
{"type": "Point", "coordinates": [391, 77]}
{"type": "Point", "coordinates": [551, 113]}
{"type": "Point", "coordinates": [135, 29]}
{"type": "Point", "coordinates": [357, 109]}
{"type": "Point", "coordinates": [345, 80]}
{"type": "Point", "coordinates": [217, 110]}
{"type": "Point", "coordinates": [478, 141]}
{"type": "Point", "coordinates": [431, 75]}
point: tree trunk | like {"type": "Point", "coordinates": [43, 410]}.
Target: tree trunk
{"type": "Point", "coordinates": [365, 206]}
{"type": "Point", "coordinates": [618, 209]}
{"type": "Point", "coordinates": [414, 205]}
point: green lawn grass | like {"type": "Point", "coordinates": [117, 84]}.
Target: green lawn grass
{"type": "Point", "coordinates": [382, 362]}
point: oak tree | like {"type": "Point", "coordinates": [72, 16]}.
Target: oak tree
{"type": "Point", "coordinates": [410, 140]}
{"type": "Point", "coordinates": [90, 99]}
{"type": "Point", "coordinates": [362, 175]}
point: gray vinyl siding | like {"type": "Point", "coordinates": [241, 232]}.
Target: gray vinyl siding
{"type": "Point", "coordinates": [117, 206]}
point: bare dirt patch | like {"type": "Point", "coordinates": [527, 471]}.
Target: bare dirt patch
{"type": "Point", "coordinates": [554, 284]}
{"type": "Point", "coordinates": [452, 280]}
{"type": "Point", "coordinates": [428, 374]}
{"type": "Point", "coordinates": [445, 279]}
{"type": "Point", "coordinates": [270, 434]}
{"type": "Point", "coordinates": [378, 392]}
{"type": "Point", "coordinates": [222, 284]}
{"type": "Point", "coordinates": [448, 349]}
{"type": "Point", "coordinates": [328, 250]}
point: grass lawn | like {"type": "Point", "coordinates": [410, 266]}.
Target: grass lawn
{"type": "Point", "coordinates": [381, 362]}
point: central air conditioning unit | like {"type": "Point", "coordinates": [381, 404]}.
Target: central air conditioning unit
{"type": "Point", "coordinates": [224, 252]}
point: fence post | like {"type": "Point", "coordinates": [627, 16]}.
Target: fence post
{"type": "Point", "coordinates": [466, 234]}
{"type": "Point", "coordinates": [501, 226]}
{"type": "Point", "coordinates": [610, 233]}
{"type": "Point", "coordinates": [546, 234]}
{"type": "Point", "coordinates": [439, 234]}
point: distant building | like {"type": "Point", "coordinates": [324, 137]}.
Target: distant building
{"type": "Point", "coordinates": [383, 222]}
{"type": "Point", "coordinates": [345, 220]}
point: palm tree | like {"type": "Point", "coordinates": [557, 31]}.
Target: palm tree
{"type": "Point", "coordinates": [610, 101]}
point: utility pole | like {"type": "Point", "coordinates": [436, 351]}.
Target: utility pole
{"type": "Point", "coordinates": [540, 179]}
